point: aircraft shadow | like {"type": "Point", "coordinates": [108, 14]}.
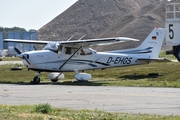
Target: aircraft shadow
{"type": "Point", "coordinates": [76, 83]}
{"type": "Point", "coordinates": [136, 77]}
{"type": "Point", "coordinates": [70, 83]}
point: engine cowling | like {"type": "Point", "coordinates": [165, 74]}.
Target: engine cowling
{"type": "Point", "coordinates": [54, 77]}
{"type": "Point", "coordinates": [83, 76]}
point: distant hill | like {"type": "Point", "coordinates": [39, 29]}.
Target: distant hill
{"type": "Point", "coordinates": [137, 25]}
{"type": "Point", "coordinates": [106, 18]}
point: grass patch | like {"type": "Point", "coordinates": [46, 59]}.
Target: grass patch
{"type": "Point", "coordinates": [170, 56]}
{"type": "Point", "coordinates": [43, 108]}
{"type": "Point", "coordinates": [151, 75]}
{"type": "Point", "coordinates": [25, 112]}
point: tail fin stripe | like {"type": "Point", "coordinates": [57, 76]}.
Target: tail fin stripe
{"type": "Point", "coordinates": [139, 51]}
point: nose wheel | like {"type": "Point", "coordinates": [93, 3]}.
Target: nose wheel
{"type": "Point", "coordinates": [36, 79]}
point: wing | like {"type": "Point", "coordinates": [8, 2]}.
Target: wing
{"type": "Point", "coordinates": [101, 41]}
{"type": "Point", "coordinates": [26, 41]}
{"type": "Point", "coordinates": [88, 42]}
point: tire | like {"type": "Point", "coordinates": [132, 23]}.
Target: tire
{"type": "Point", "coordinates": [174, 50]}
{"type": "Point", "coordinates": [178, 53]}
{"type": "Point", "coordinates": [36, 80]}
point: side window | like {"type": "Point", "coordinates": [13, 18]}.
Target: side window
{"type": "Point", "coordinates": [67, 50]}
{"type": "Point", "coordinates": [70, 50]}
{"type": "Point", "coordinates": [85, 51]}
{"type": "Point", "coordinates": [73, 50]}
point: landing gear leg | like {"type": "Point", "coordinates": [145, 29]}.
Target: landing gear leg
{"type": "Point", "coordinates": [36, 79]}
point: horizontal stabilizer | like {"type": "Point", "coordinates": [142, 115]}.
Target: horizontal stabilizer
{"type": "Point", "coordinates": [156, 60]}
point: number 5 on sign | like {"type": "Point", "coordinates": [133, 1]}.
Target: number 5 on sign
{"type": "Point", "coordinates": [173, 32]}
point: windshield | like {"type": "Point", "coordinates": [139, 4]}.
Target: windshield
{"type": "Point", "coordinates": [53, 46]}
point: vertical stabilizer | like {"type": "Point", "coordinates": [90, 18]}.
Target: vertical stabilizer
{"type": "Point", "coordinates": [154, 41]}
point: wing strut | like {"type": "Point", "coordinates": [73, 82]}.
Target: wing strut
{"type": "Point", "coordinates": [70, 57]}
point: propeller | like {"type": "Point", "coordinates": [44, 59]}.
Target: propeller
{"type": "Point", "coordinates": [23, 56]}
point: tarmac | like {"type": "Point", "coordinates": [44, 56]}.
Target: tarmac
{"type": "Point", "coordinates": [159, 101]}
{"type": "Point", "coordinates": [10, 62]}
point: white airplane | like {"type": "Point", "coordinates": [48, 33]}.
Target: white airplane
{"type": "Point", "coordinates": [76, 55]}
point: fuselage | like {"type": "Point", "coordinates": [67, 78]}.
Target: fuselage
{"type": "Point", "coordinates": [47, 60]}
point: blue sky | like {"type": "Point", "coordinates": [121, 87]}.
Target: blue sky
{"type": "Point", "coordinates": [31, 14]}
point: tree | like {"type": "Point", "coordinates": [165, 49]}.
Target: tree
{"type": "Point", "coordinates": [14, 29]}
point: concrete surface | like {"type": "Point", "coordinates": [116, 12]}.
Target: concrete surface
{"type": "Point", "coordinates": [10, 62]}
{"type": "Point", "coordinates": [161, 101]}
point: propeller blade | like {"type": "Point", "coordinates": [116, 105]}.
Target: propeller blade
{"type": "Point", "coordinates": [34, 47]}
{"type": "Point", "coordinates": [25, 57]}
{"type": "Point", "coordinates": [18, 52]}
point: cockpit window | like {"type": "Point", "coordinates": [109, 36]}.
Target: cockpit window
{"type": "Point", "coordinates": [53, 46]}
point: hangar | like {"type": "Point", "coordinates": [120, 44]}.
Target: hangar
{"type": "Point", "coordinates": [8, 48]}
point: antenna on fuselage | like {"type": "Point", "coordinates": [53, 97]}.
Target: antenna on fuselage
{"type": "Point", "coordinates": [70, 38]}
{"type": "Point", "coordinates": [81, 37]}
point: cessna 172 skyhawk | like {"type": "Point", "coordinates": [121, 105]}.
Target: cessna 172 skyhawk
{"type": "Point", "coordinates": [76, 55]}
